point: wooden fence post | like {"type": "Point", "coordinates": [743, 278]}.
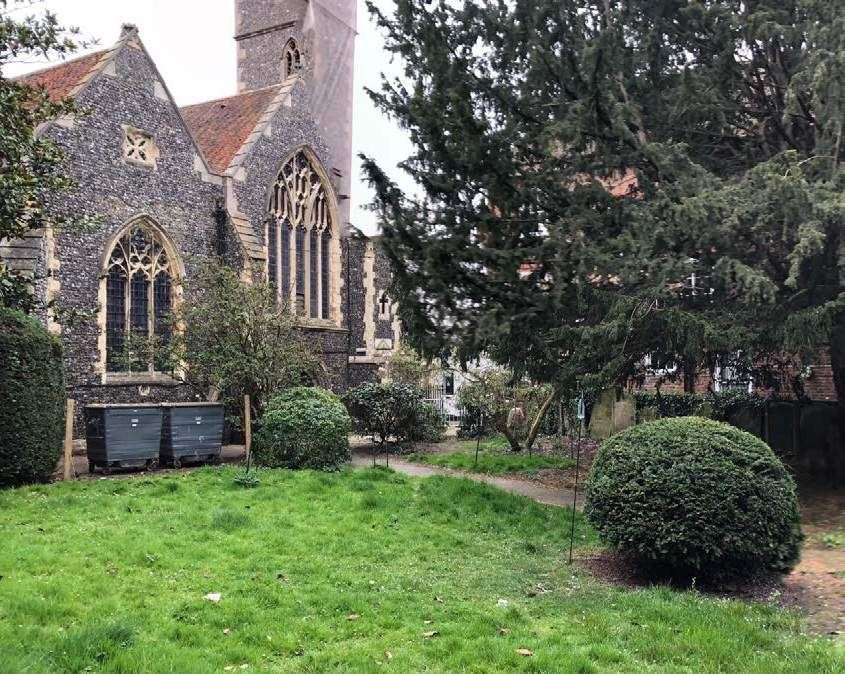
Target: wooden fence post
{"type": "Point", "coordinates": [69, 473]}
{"type": "Point", "coordinates": [247, 427]}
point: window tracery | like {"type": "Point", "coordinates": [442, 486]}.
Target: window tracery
{"type": "Point", "coordinates": [301, 239]}
{"type": "Point", "coordinates": [291, 59]}
{"type": "Point", "coordinates": [139, 147]}
{"type": "Point", "coordinates": [139, 298]}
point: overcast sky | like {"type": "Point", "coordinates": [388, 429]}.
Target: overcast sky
{"type": "Point", "coordinates": [192, 43]}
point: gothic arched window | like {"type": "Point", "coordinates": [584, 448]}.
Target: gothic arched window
{"type": "Point", "coordinates": [291, 59]}
{"type": "Point", "coordinates": [140, 281]}
{"type": "Point", "coordinates": [301, 239]}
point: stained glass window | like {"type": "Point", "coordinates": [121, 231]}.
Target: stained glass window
{"type": "Point", "coordinates": [313, 273]}
{"type": "Point", "coordinates": [139, 300]}
{"type": "Point", "coordinates": [300, 270]}
{"type": "Point", "coordinates": [300, 208]}
{"type": "Point", "coordinates": [325, 269]}
{"type": "Point", "coordinates": [272, 254]}
{"type": "Point", "coordinates": [291, 59]}
{"type": "Point", "coordinates": [285, 232]}
{"type": "Point", "coordinates": [115, 317]}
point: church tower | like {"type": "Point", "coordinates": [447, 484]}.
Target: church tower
{"type": "Point", "coordinates": [275, 37]}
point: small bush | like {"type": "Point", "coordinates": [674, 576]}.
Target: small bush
{"type": "Point", "coordinates": [32, 396]}
{"type": "Point", "coordinates": [393, 412]}
{"type": "Point", "coordinates": [697, 497]}
{"type": "Point", "coordinates": [247, 480]}
{"type": "Point", "coordinates": [303, 427]}
{"type": "Point", "coordinates": [430, 426]}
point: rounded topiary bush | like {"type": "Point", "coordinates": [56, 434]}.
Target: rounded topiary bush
{"type": "Point", "coordinates": [32, 396]}
{"type": "Point", "coordinates": [693, 496]}
{"type": "Point", "coordinates": [303, 427]}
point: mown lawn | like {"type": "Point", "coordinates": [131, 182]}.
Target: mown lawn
{"type": "Point", "coordinates": [494, 458]}
{"type": "Point", "coordinates": [342, 572]}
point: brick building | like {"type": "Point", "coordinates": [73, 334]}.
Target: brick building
{"type": "Point", "coordinates": [261, 177]}
{"type": "Point", "coordinates": [793, 378]}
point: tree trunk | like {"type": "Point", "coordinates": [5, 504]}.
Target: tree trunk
{"type": "Point", "coordinates": [514, 443]}
{"type": "Point", "coordinates": [538, 420]}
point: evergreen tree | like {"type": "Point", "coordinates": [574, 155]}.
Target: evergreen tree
{"type": "Point", "coordinates": [603, 179]}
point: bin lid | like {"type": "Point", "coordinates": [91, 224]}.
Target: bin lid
{"type": "Point", "coordinates": [110, 406]}
{"type": "Point", "coordinates": [196, 404]}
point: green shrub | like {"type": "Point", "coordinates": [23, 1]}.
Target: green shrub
{"type": "Point", "coordinates": [32, 396]}
{"type": "Point", "coordinates": [668, 404]}
{"type": "Point", "coordinates": [695, 496]}
{"type": "Point", "coordinates": [303, 427]}
{"type": "Point", "coordinates": [718, 405]}
{"type": "Point", "coordinates": [430, 426]}
{"type": "Point", "coordinates": [393, 413]}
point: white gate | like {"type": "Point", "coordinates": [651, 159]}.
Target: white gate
{"type": "Point", "coordinates": [446, 404]}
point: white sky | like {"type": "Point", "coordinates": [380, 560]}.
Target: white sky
{"type": "Point", "coordinates": [192, 43]}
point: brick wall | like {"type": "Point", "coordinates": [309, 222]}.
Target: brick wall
{"type": "Point", "coordinates": [819, 385]}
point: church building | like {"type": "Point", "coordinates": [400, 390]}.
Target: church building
{"type": "Point", "coordinates": [261, 179]}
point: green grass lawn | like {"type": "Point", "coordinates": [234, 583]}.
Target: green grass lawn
{"type": "Point", "coordinates": [357, 571]}
{"type": "Point", "coordinates": [495, 458]}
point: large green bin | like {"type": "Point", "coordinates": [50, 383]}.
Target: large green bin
{"type": "Point", "coordinates": [123, 436]}
{"type": "Point", "coordinates": [192, 432]}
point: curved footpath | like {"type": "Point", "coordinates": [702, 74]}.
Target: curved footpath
{"type": "Point", "coordinates": [554, 497]}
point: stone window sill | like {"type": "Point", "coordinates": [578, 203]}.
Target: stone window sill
{"type": "Point", "coordinates": [369, 360]}
{"type": "Point", "coordinates": [319, 324]}
{"type": "Point", "coordinates": [140, 378]}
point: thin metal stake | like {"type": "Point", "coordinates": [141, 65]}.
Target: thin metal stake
{"type": "Point", "coordinates": [248, 431]}
{"type": "Point", "coordinates": [581, 415]}
{"type": "Point", "coordinates": [478, 437]}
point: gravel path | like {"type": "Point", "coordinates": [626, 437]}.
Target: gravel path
{"type": "Point", "coordinates": [555, 497]}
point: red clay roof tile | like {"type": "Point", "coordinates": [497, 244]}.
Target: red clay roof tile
{"type": "Point", "coordinates": [61, 79]}
{"type": "Point", "coordinates": [221, 127]}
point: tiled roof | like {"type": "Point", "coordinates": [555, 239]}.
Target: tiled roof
{"type": "Point", "coordinates": [221, 127]}
{"type": "Point", "coordinates": [622, 185]}
{"type": "Point", "coordinates": [62, 79]}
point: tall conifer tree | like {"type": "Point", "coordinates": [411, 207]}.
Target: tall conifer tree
{"type": "Point", "coordinates": [604, 179]}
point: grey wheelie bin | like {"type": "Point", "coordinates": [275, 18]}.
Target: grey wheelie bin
{"type": "Point", "coordinates": [123, 436]}
{"type": "Point", "coordinates": [191, 432]}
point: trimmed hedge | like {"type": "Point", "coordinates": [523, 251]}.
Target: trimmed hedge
{"type": "Point", "coordinates": [32, 397]}
{"type": "Point", "coordinates": [303, 427]}
{"type": "Point", "coordinates": [718, 405]}
{"type": "Point", "coordinates": [693, 496]}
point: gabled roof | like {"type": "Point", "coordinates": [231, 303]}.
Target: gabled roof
{"type": "Point", "coordinates": [221, 127]}
{"type": "Point", "coordinates": [61, 80]}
